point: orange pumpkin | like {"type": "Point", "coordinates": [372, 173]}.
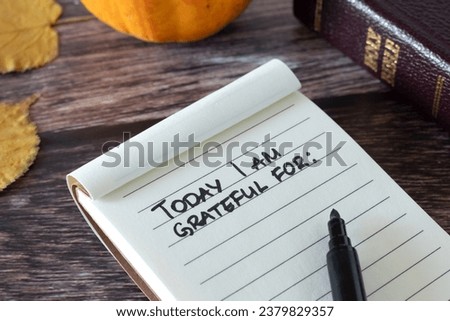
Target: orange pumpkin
{"type": "Point", "coordinates": [167, 20]}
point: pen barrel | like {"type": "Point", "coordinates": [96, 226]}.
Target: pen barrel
{"type": "Point", "coordinates": [345, 274]}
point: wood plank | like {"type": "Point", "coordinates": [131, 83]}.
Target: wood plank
{"type": "Point", "coordinates": [53, 254]}
{"type": "Point", "coordinates": [72, 9]}
{"type": "Point", "coordinates": [105, 83]}
{"type": "Point", "coordinates": [108, 77]}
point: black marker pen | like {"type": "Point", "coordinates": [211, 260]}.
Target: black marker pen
{"type": "Point", "coordinates": [343, 263]}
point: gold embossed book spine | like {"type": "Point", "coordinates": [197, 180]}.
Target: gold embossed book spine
{"type": "Point", "coordinates": [405, 43]}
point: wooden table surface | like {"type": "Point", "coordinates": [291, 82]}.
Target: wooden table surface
{"type": "Point", "coordinates": [104, 83]}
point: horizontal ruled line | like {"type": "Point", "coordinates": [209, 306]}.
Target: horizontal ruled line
{"type": "Point", "coordinates": [380, 258]}
{"type": "Point", "coordinates": [274, 212]}
{"type": "Point", "coordinates": [403, 272]}
{"type": "Point", "coordinates": [294, 255]}
{"type": "Point", "coordinates": [311, 274]}
{"type": "Point", "coordinates": [167, 221]}
{"type": "Point", "coordinates": [393, 250]}
{"type": "Point", "coordinates": [265, 192]}
{"type": "Point", "coordinates": [385, 227]}
{"type": "Point", "coordinates": [321, 297]}
{"type": "Point", "coordinates": [274, 268]}
{"type": "Point", "coordinates": [246, 130]}
{"type": "Point", "coordinates": [298, 282]}
{"type": "Point", "coordinates": [427, 285]}
{"type": "Point", "coordinates": [221, 166]}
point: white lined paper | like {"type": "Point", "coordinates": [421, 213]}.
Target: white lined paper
{"type": "Point", "coordinates": [205, 118]}
{"type": "Point", "coordinates": [273, 246]}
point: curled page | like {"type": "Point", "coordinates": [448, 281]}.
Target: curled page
{"type": "Point", "coordinates": [202, 120]}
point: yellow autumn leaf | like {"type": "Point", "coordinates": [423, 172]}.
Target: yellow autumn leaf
{"type": "Point", "coordinates": [26, 37]}
{"type": "Point", "coordinates": [18, 140]}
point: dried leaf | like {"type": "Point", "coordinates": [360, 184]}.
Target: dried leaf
{"type": "Point", "coordinates": [18, 140]}
{"type": "Point", "coordinates": [26, 37]}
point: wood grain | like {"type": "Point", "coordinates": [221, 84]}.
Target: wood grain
{"type": "Point", "coordinates": [104, 83]}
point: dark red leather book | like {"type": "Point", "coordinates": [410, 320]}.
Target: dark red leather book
{"type": "Point", "coordinates": [405, 43]}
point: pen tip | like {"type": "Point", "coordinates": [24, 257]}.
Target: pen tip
{"type": "Point", "coordinates": [334, 214]}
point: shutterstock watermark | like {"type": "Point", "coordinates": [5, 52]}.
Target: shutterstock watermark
{"type": "Point", "coordinates": [191, 152]}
